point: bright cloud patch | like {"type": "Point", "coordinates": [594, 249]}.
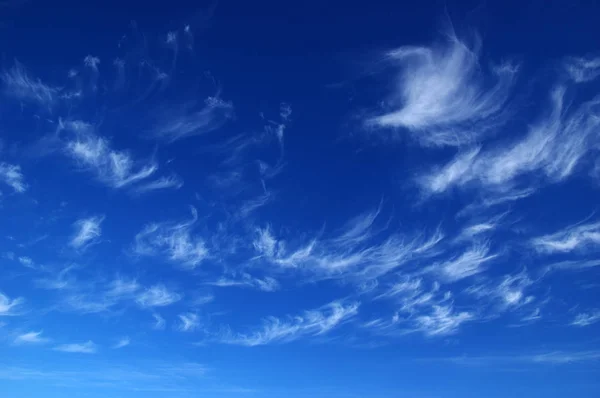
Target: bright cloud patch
{"type": "Point", "coordinates": [442, 93]}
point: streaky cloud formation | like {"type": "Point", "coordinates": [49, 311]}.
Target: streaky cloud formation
{"type": "Point", "coordinates": [442, 320]}
{"type": "Point", "coordinates": [31, 338]}
{"type": "Point", "coordinates": [115, 168]}
{"type": "Point", "coordinates": [87, 232]}
{"type": "Point", "coordinates": [189, 322]}
{"type": "Point", "coordinates": [124, 342]}
{"type": "Point", "coordinates": [8, 305]}
{"type": "Point", "coordinates": [442, 94]}
{"type": "Point", "coordinates": [173, 240]}
{"type": "Point", "coordinates": [586, 318]}
{"type": "Point", "coordinates": [266, 284]}
{"type": "Point", "coordinates": [469, 263]}
{"type": "Point", "coordinates": [12, 176]}
{"type": "Point", "coordinates": [19, 84]}
{"type": "Point", "coordinates": [311, 323]}
{"type": "Point", "coordinates": [583, 70]}
{"type": "Point", "coordinates": [157, 296]}
{"type": "Point", "coordinates": [159, 322]}
{"type": "Point", "coordinates": [553, 148]}
{"type": "Point", "coordinates": [187, 120]}
{"type": "Point", "coordinates": [575, 237]}
{"type": "Point", "coordinates": [78, 348]}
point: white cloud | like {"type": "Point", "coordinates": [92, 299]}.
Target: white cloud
{"type": "Point", "coordinates": [467, 264]}
{"type": "Point", "coordinates": [124, 342]}
{"type": "Point", "coordinates": [548, 358]}
{"type": "Point", "coordinates": [115, 168]}
{"type": "Point", "coordinates": [26, 262]}
{"type": "Point", "coordinates": [422, 309]}
{"type": "Point", "coordinates": [173, 182]}
{"type": "Point", "coordinates": [91, 62]}
{"type": "Point", "coordinates": [442, 94]}
{"type": "Point", "coordinates": [159, 322]}
{"type": "Point", "coordinates": [310, 323]}
{"type": "Point", "coordinates": [11, 175]}
{"type": "Point", "coordinates": [173, 240]}
{"type": "Point", "coordinates": [83, 348]}
{"type": "Point", "coordinates": [571, 238]}
{"type": "Point", "coordinates": [442, 320]}
{"type": "Point", "coordinates": [559, 357]}
{"type": "Point", "coordinates": [157, 296]}
{"type": "Point", "coordinates": [189, 322]}
{"type": "Point", "coordinates": [87, 232]}
{"type": "Point", "coordinates": [510, 292]}
{"type": "Point", "coordinates": [266, 284]}
{"type": "Point", "coordinates": [8, 306]}
{"type": "Point", "coordinates": [553, 148]}
{"type": "Point", "coordinates": [31, 338]}
{"type": "Point", "coordinates": [451, 174]}
{"type": "Point", "coordinates": [19, 84]}
{"type": "Point", "coordinates": [186, 120]}
{"type": "Point", "coordinates": [583, 69]}
{"type": "Point", "coordinates": [586, 318]}
{"type": "Point", "coordinates": [285, 111]}
{"type": "Point", "coordinates": [352, 252]}
{"type": "Point", "coordinates": [571, 265]}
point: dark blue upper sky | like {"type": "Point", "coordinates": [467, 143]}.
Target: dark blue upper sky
{"type": "Point", "coordinates": [310, 199]}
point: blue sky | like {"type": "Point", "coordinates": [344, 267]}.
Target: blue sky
{"type": "Point", "coordinates": [266, 199]}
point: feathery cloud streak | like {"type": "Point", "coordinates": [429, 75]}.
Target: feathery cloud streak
{"type": "Point", "coordinates": [310, 323]}
{"type": "Point", "coordinates": [174, 241]}
{"type": "Point", "coordinates": [87, 232]}
{"type": "Point", "coordinates": [12, 176]}
{"type": "Point", "coordinates": [442, 95]}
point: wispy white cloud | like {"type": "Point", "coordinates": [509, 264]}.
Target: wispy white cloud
{"type": "Point", "coordinates": [442, 94]}
{"type": "Point", "coordinates": [310, 323]}
{"type": "Point", "coordinates": [26, 262]}
{"type": "Point", "coordinates": [187, 120]}
{"type": "Point", "coordinates": [157, 296]}
{"type": "Point", "coordinates": [19, 84]}
{"type": "Point", "coordinates": [87, 232]}
{"type": "Point", "coordinates": [83, 348]}
{"type": "Point", "coordinates": [574, 237]}
{"type": "Point", "coordinates": [509, 292]}
{"type": "Point", "coordinates": [469, 263]}
{"type": "Point", "coordinates": [442, 320]}
{"type": "Point", "coordinates": [553, 149]}
{"type": "Point", "coordinates": [12, 176]}
{"type": "Point", "coordinates": [570, 265]}
{"type": "Point", "coordinates": [159, 322]}
{"type": "Point", "coordinates": [124, 342]}
{"type": "Point", "coordinates": [586, 318]}
{"type": "Point", "coordinates": [171, 182]}
{"type": "Point", "coordinates": [173, 240]}
{"type": "Point", "coordinates": [546, 358]}
{"type": "Point", "coordinates": [266, 284]}
{"type": "Point", "coordinates": [189, 322]}
{"type": "Point", "coordinates": [91, 62]}
{"type": "Point", "coordinates": [421, 309]}
{"type": "Point", "coordinates": [583, 69]}
{"type": "Point", "coordinates": [561, 357]}
{"type": "Point", "coordinates": [115, 168]}
{"type": "Point", "coordinates": [8, 305]}
{"type": "Point", "coordinates": [31, 338]}
{"type": "Point", "coordinates": [351, 252]}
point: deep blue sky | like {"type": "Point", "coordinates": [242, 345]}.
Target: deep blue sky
{"type": "Point", "coordinates": [311, 199]}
